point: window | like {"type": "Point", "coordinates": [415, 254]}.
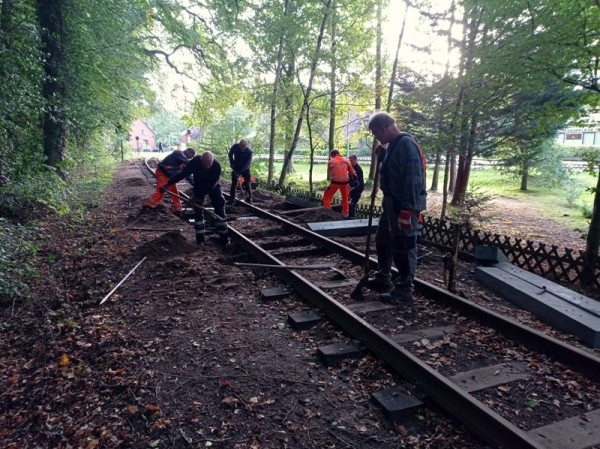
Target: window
{"type": "Point", "coordinates": [573, 137]}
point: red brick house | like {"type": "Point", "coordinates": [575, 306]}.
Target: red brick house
{"type": "Point", "coordinates": [141, 137]}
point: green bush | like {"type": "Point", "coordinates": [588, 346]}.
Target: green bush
{"type": "Point", "coordinates": [17, 256]}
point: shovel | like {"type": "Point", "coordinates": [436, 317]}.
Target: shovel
{"type": "Point", "coordinates": [357, 292]}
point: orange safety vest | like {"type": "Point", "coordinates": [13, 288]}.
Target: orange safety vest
{"type": "Point", "coordinates": [339, 167]}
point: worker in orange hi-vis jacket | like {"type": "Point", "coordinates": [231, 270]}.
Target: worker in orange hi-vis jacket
{"type": "Point", "coordinates": [168, 167]}
{"type": "Point", "coordinates": [340, 170]}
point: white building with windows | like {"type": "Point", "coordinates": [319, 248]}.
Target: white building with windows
{"type": "Point", "coordinates": [579, 137]}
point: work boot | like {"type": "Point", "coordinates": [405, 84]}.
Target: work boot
{"type": "Point", "coordinates": [224, 240]}
{"type": "Point", "coordinates": [402, 292]}
{"type": "Point", "coordinates": [379, 285]}
{"type": "Point", "coordinates": [397, 297]}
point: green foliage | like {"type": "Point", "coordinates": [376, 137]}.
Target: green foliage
{"type": "Point", "coordinates": [573, 191]}
{"type": "Point", "coordinates": [474, 209]}
{"type": "Point", "coordinates": [228, 129]}
{"type": "Point", "coordinates": [541, 162]}
{"type": "Point", "coordinates": [17, 255]}
{"type": "Point", "coordinates": [586, 212]}
{"type": "Point", "coordinates": [33, 194]}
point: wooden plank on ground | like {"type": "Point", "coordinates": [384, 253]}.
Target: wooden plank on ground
{"type": "Point", "coordinates": [336, 352]}
{"type": "Point", "coordinates": [304, 319]}
{"type": "Point", "coordinates": [273, 293]}
{"type": "Point", "coordinates": [551, 308]}
{"type": "Point", "coordinates": [579, 432]}
{"type": "Point", "coordinates": [396, 404]}
{"type": "Point", "coordinates": [343, 228]}
{"type": "Point", "coordinates": [370, 306]}
{"type": "Point", "coordinates": [336, 283]}
{"type": "Point", "coordinates": [547, 287]}
{"type": "Point", "coordinates": [419, 334]}
{"type": "Point", "coordinates": [491, 376]}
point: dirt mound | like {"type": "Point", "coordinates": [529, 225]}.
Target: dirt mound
{"type": "Point", "coordinates": [135, 182]}
{"type": "Point", "coordinates": [169, 244]}
{"type": "Point", "coordinates": [314, 216]}
{"type": "Point", "coordinates": [159, 216]}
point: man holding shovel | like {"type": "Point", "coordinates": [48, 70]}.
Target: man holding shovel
{"type": "Point", "coordinates": [207, 172]}
{"type": "Point", "coordinates": [167, 168]}
{"type": "Point", "coordinates": [402, 178]}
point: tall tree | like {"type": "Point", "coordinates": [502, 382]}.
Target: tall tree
{"type": "Point", "coordinates": [550, 39]}
{"type": "Point", "coordinates": [313, 66]}
{"type": "Point", "coordinates": [378, 75]}
{"type": "Point", "coordinates": [51, 16]}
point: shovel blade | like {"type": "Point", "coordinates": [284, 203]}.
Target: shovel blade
{"type": "Point", "coordinates": [357, 293]}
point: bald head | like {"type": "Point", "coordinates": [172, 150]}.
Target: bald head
{"type": "Point", "coordinates": [243, 144]}
{"type": "Point", "coordinates": [207, 159]}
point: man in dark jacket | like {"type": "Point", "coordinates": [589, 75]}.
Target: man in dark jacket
{"type": "Point", "coordinates": [207, 172]}
{"type": "Point", "coordinates": [168, 167]}
{"type": "Point", "coordinates": [402, 180]}
{"type": "Point", "coordinates": [240, 158]}
{"type": "Point", "coordinates": [357, 185]}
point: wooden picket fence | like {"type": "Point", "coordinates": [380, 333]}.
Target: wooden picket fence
{"type": "Point", "coordinates": [561, 265]}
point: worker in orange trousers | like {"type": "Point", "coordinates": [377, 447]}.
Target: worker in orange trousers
{"type": "Point", "coordinates": [340, 170]}
{"type": "Point", "coordinates": [168, 167]}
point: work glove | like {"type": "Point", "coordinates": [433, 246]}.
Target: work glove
{"type": "Point", "coordinates": [404, 219]}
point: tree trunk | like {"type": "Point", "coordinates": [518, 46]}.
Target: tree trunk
{"type": "Point", "coordinates": [440, 124]}
{"type": "Point", "coordinates": [273, 120]}
{"type": "Point", "coordinates": [313, 69]}
{"type": "Point", "coordinates": [436, 168]}
{"type": "Point", "coordinates": [288, 129]}
{"type": "Point", "coordinates": [51, 17]}
{"type": "Point", "coordinates": [378, 70]}
{"type": "Point", "coordinates": [388, 106]}
{"type": "Point", "coordinates": [467, 127]}
{"type": "Point", "coordinates": [332, 76]}
{"type": "Point", "coordinates": [452, 261]}
{"type": "Point", "coordinates": [588, 276]}
{"type": "Point", "coordinates": [524, 178]}
{"type": "Point", "coordinates": [312, 149]}
{"type": "Point", "coordinates": [445, 186]}
{"type": "Point", "coordinates": [464, 167]}
{"type": "Point", "coordinates": [452, 178]}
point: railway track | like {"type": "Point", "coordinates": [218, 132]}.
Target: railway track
{"type": "Point", "coordinates": [440, 349]}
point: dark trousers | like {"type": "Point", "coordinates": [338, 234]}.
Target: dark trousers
{"type": "Point", "coordinates": [355, 194]}
{"type": "Point", "coordinates": [397, 246]}
{"type": "Point", "coordinates": [218, 203]}
{"type": "Point", "coordinates": [234, 182]}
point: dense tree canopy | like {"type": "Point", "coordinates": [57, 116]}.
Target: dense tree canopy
{"type": "Point", "coordinates": [75, 72]}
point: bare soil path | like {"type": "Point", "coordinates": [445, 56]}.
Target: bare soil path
{"type": "Point", "coordinates": [185, 354]}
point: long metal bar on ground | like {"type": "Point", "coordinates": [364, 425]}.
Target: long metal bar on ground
{"type": "Point", "coordinates": [288, 267]}
{"type": "Point", "coordinates": [122, 280]}
{"type": "Point", "coordinates": [481, 420]}
{"type": "Point", "coordinates": [576, 358]}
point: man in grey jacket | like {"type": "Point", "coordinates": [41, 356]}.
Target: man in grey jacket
{"type": "Point", "coordinates": [402, 178]}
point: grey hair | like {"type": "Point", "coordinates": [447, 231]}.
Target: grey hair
{"type": "Point", "coordinates": [381, 120]}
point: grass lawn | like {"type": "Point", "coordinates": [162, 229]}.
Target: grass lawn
{"type": "Point", "coordinates": [549, 202]}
